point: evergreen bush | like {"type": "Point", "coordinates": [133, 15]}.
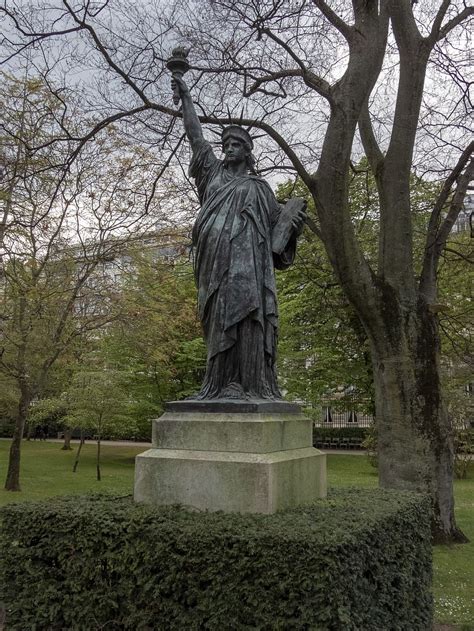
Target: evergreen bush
{"type": "Point", "coordinates": [321, 434]}
{"type": "Point", "coordinates": [359, 560]}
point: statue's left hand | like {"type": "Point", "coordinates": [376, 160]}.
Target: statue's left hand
{"type": "Point", "coordinates": [289, 224]}
{"type": "Point", "coordinates": [298, 219]}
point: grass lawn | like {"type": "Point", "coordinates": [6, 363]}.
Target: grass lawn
{"type": "Point", "coordinates": [47, 471]}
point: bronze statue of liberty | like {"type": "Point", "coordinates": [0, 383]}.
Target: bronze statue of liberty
{"type": "Point", "coordinates": [240, 236]}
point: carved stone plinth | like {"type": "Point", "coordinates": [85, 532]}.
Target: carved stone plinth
{"type": "Point", "coordinates": [248, 457]}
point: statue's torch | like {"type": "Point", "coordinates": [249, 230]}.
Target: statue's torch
{"type": "Point", "coordinates": [178, 64]}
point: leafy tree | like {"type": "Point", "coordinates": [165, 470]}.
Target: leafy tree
{"type": "Point", "coordinates": [45, 412]}
{"type": "Point", "coordinates": [157, 340]}
{"type": "Point", "coordinates": [455, 306]}
{"type": "Point", "coordinates": [98, 401]}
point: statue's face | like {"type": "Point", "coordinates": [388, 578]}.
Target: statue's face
{"type": "Point", "coordinates": [234, 150]}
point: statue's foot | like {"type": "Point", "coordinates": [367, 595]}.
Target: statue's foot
{"type": "Point", "coordinates": [233, 391]}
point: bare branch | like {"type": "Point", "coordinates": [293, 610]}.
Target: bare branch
{"type": "Point", "coordinates": [460, 255]}
{"type": "Point", "coordinates": [309, 221]}
{"type": "Point", "coordinates": [456, 203]}
{"type": "Point", "coordinates": [285, 47]}
{"type": "Point", "coordinates": [345, 29]}
{"type": "Point", "coordinates": [458, 19]}
{"type": "Point", "coordinates": [101, 48]}
{"type": "Point", "coordinates": [436, 27]}
{"type": "Point", "coordinates": [444, 194]}
{"type": "Point", "coordinates": [271, 131]}
{"type": "Point", "coordinates": [35, 34]}
{"type": "Point", "coordinates": [100, 126]}
{"type": "Point", "coordinates": [318, 84]}
{"type": "Point", "coordinates": [162, 170]}
{"type": "Point", "coordinates": [437, 237]}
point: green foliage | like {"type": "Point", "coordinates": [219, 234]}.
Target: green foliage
{"type": "Point", "coordinates": [156, 343]}
{"type": "Point", "coordinates": [49, 411]}
{"type": "Point", "coordinates": [41, 275]}
{"type": "Point", "coordinates": [456, 312]}
{"type": "Point", "coordinates": [360, 560]}
{"type": "Point", "coordinates": [7, 426]}
{"type": "Point", "coordinates": [190, 364]}
{"type": "Point", "coordinates": [97, 400]}
{"type": "Point", "coordinates": [322, 345]}
{"type": "Point", "coordinates": [460, 402]}
{"type": "Point", "coordinates": [8, 404]}
{"type": "Point", "coordinates": [37, 311]}
{"type": "Point", "coordinates": [150, 353]}
{"type": "Point", "coordinates": [47, 471]}
{"type": "Point", "coordinates": [456, 307]}
{"type": "Point", "coordinates": [370, 444]}
{"type": "Point", "coordinates": [463, 450]}
{"type": "Point", "coordinates": [319, 433]}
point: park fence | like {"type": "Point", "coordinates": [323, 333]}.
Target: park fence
{"type": "Point", "coordinates": [334, 418]}
{"type": "Point", "coordinates": [336, 428]}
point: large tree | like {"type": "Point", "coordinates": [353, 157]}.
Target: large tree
{"type": "Point", "coordinates": [309, 71]}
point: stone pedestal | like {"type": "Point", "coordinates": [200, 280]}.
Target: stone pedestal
{"type": "Point", "coordinates": [235, 456]}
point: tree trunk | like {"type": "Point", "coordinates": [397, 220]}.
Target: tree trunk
{"type": "Point", "coordinates": [67, 440]}
{"type": "Point", "coordinates": [12, 482]}
{"type": "Point", "coordinates": [98, 456]}
{"type": "Point", "coordinates": [76, 461]}
{"type": "Point", "coordinates": [415, 441]}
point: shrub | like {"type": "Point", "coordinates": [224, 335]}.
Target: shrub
{"type": "Point", "coordinates": [358, 560]}
{"type": "Point", "coordinates": [370, 445]}
{"type": "Point", "coordinates": [7, 426]}
{"type": "Point", "coordinates": [463, 450]}
{"type": "Point", "coordinates": [321, 434]}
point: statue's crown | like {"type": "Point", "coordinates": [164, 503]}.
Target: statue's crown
{"type": "Point", "coordinates": [235, 131]}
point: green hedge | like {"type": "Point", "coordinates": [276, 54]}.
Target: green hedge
{"type": "Point", "coordinates": [359, 560]}
{"type": "Point", "coordinates": [7, 426]}
{"type": "Point", "coordinates": [320, 433]}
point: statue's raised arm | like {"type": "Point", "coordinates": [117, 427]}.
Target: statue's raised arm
{"type": "Point", "coordinates": [192, 126]}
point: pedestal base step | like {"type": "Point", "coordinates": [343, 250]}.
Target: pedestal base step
{"type": "Point", "coordinates": [231, 481]}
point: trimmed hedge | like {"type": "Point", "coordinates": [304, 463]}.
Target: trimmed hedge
{"type": "Point", "coordinates": [320, 433]}
{"type": "Point", "coordinates": [359, 560]}
{"type": "Point", "coordinates": [6, 427]}
{"type": "Point", "coordinates": [340, 437]}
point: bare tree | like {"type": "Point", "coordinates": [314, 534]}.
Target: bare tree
{"type": "Point", "coordinates": [324, 82]}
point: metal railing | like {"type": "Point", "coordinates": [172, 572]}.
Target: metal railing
{"type": "Point", "coordinates": [343, 418]}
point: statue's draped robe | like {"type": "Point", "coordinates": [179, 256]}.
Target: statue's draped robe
{"type": "Point", "coordinates": [234, 271]}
